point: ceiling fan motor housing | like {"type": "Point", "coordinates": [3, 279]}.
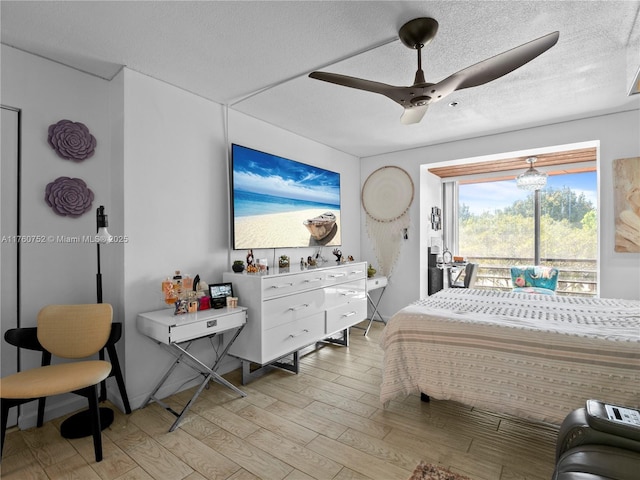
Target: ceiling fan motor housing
{"type": "Point", "coordinates": [418, 32]}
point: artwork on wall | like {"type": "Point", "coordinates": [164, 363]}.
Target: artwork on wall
{"type": "Point", "coordinates": [626, 188]}
{"type": "Point", "coordinates": [436, 218]}
{"type": "Point", "coordinates": [68, 197]}
{"type": "Point", "coordinates": [387, 195]}
{"type": "Point", "coordinates": [71, 140]}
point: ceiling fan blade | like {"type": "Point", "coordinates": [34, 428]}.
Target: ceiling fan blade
{"type": "Point", "coordinates": [416, 98]}
{"type": "Point", "coordinates": [413, 114]}
{"type": "Point", "coordinates": [353, 82]}
{"type": "Point", "coordinates": [494, 67]}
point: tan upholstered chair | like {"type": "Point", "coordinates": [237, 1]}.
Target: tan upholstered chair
{"type": "Point", "coordinates": [67, 331]}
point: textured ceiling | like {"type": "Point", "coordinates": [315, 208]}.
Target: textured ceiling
{"type": "Point", "coordinates": [255, 57]}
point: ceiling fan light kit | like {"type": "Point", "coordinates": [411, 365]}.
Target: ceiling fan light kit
{"type": "Point", "coordinates": [415, 99]}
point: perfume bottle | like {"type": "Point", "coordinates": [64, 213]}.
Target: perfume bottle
{"type": "Point", "coordinates": [177, 284]}
{"type": "Point", "coordinates": [168, 291]}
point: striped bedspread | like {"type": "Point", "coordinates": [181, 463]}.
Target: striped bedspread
{"type": "Point", "coordinates": [534, 356]}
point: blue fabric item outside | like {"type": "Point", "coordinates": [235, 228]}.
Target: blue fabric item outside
{"type": "Point", "coordinates": [532, 278]}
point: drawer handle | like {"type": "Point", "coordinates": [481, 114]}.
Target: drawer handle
{"type": "Point", "coordinates": [299, 307]}
{"type": "Point", "coordinates": [337, 275]}
{"type": "Point", "coordinates": [313, 280]}
{"type": "Point", "coordinates": [298, 334]}
{"type": "Point", "coordinates": [350, 314]}
{"type": "Point", "coordinates": [283, 285]}
{"type": "Point", "coordinates": [354, 272]}
{"type": "Point", "coordinates": [350, 292]}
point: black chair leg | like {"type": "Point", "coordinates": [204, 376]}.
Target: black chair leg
{"type": "Point", "coordinates": [5, 417]}
{"type": "Point", "coordinates": [46, 360]}
{"type": "Point", "coordinates": [7, 404]}
{"type": "Point", "coordinates": [117, 372]}
{"type": "Point", "coordinates": [41, 404]}
{"type": "Point", "coordinates": [96, 429]}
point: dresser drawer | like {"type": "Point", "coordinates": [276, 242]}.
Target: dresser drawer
{"type": "Point", "coordinates": [343, 316]}
{"type": "Point", "coordinates": [344, 293]}
{"type": "Point", "coordinates": [346, 273]}
{"type": "Point", "coordinates": [188, 331]}
{"type": "Point", "coordinates": [277, 311]}
{"type": "Point", "coordinates": [286, 284]}
{"type": "Point", "coordinates": [292, 336]}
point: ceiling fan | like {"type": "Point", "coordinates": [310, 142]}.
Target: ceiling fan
{"type": "Point", "coordinates": [416, 98]}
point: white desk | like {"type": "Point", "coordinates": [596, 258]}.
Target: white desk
{"type": "Point", "coordinates": [171, 331]}
{"type": "Point", "coordinates": [374, 283]}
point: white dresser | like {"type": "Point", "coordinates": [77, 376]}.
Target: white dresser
{"type": "Point", "coordinates": [290, 310]}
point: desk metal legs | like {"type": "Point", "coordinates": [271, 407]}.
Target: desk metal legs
{"type": "Point", "coordinates": [184, 356]}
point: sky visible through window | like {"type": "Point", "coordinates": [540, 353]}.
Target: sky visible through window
{"type": "Point", "coordinates": [491, 196]}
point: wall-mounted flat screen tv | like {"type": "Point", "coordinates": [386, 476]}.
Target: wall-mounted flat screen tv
{"type": "Point", "coordinates": [280, 203]}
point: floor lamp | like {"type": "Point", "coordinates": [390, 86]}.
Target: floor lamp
{"type": "Point", "coordinates": [102, 237]}
{"type": "Point", "coordinates": [78, 425]}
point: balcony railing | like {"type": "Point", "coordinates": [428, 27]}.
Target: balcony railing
{"type": "Point", "coordinates": [577, 277]}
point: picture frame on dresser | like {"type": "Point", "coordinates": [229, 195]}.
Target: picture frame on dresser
{"type": "Point", "coordinates": [219, 293]}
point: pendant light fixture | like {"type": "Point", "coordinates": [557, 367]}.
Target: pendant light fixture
{"type": "Point", "coordinates": [532, 179]}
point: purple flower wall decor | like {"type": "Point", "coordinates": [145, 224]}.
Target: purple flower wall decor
{"type": "Point", "coordinates": [71, 140]}
{"type": "Point", "coordinates": [68, 196]}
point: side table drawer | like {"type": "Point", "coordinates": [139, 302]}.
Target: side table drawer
{"type": "Point", "coordinates": [292, 336]}
{"type": "Point", "coordinates": [376, 282]}
{"type": "Point", "coordinates": [344, 316]}
{"type": "Point", "coordinates": [189, 331]}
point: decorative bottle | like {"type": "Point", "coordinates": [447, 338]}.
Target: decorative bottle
{"type": "Point", "coordinates": [168, 291]}
{"type": "Point", "coordinates": [177, 284]}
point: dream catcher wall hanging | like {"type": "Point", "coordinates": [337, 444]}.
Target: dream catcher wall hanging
{"type": "Point", "coordinates": [387, 195]}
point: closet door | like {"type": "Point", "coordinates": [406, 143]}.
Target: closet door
{"type": "Point", "coordinates": [9, 247]}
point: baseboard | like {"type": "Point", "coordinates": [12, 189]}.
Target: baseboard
{"type": "Point", "coordinates": [57, 406]}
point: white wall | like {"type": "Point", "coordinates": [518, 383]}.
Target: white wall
{"type": "Point", "coordinates": [174, 202]}
{"type": "Point", "coordinates": [176, 205]}
{"type": "Point", "coordinates": [55, 271]}
{"type": "Point", "coordinates": [618, 136]}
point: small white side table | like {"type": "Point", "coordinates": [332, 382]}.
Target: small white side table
{"type": "Point", "coordinates": [171, 331]}
{"type": "Point", "coordinates": [375, 283]}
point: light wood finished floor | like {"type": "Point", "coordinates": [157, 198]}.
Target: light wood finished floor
{"type": "Point", "coordinates": [325, 423]}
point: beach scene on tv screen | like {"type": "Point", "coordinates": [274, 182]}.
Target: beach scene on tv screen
{"type": "Point", "coordinates": [280, 203]}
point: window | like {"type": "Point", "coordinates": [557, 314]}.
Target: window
{"type": "Point", "coordinates": [496, 228]}
{"type": "Point", "coordinates": [487, 219]}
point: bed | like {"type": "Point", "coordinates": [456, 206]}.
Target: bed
{"type": "Point", "coordinates": [533, 356]}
